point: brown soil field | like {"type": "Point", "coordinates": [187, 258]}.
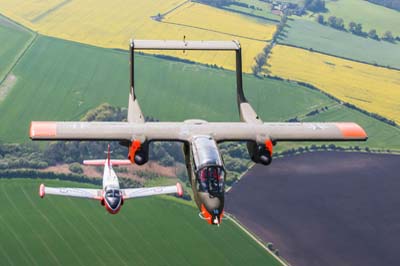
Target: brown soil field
{"type": "Point", "coordinates": [329, 208]}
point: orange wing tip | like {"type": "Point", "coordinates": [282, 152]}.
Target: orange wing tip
{"type": "Point", "coordinates": [42, 129]}
{"type": "Point", "coordinates": [42, 191]}
{"type": "Point", "coordinates": [179, 189]}
{"type": "Point", "coordinates": [352, 130]}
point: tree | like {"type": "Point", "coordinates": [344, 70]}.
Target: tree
{"type": "Point", "coordinates": [76, 168]}
{"type": "Point", "coordinates": [320, 19]}
{"type": "Point", "coordinates": [336, 23]}
{"type": "Point", "coordinates": [340, 24]}
{"type": "Point", "coordinates": [315, 5]}
{"type": "Point", "coordinates": [388, 36]}
{"type": "Point", "coordinates": [352, 26]}
{"type": "Point", "coordinates": [358, 30]}
{"type": "Point", "coordinates": [372, 34]}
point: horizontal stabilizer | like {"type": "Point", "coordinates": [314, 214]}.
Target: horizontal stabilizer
{"type": "Point", "coordinates": [184, 45]}
{"type": "Point", "coordinates": [102, 162]}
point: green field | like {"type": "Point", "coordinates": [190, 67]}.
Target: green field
{"type": "Point", "coordinates": [379, 133]}
{"type": "Point", "coordinates": [14, 39]}
{"type": "Point", "coordinates": [381, 136]}
{"type": "Point", "coordinates": [262, 9]}
{"type": "Point", "coordinates": [61, 80]}
{"type": "Point", "coordinates": [309, 34]}
{"type": "Point", "coordinates": [369, 15]}
{"type": "Point", "coordinates": [150, 231]}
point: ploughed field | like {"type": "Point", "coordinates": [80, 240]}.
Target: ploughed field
{"type": "Point", "coordinates": [326, 208]}
{"type": "Point", "coordinates": [148, 231]}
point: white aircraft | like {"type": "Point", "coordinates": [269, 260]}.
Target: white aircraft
{"type": "Point", "coordinates": [111, 196]}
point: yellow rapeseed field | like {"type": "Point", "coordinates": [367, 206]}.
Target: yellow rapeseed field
{"type": "Point", "coordinates": [371, 88]}
{"type": "Point", "coordinates": [111, 24]}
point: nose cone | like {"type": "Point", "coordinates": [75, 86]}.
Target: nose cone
{"type": "Point", "coordinates": [113, 202]}
{"type": "Point", "coordinates": [213, 204]}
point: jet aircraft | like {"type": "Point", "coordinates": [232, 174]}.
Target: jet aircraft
{"type": "Point", "coordinates": [200, 138]}
{"type": "Point", "coordinates": [112, 197]}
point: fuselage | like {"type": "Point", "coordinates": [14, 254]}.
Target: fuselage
{"type": "Point", "coordinates": [207, 174]}
{"type": "Point", "coordinates": [112, 196]}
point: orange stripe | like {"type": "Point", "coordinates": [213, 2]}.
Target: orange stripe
{"type": "Point", "coordinates": [351, 130]}
{"type": "Point", "coordinates": [206, 214]}
{"type": "Point", "coordinates": [133, 147]}
{"type": "Point", "coordinates": [42, 129]}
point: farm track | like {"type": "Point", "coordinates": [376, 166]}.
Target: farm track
{"type": "Point", "coordinates": [19, 57]}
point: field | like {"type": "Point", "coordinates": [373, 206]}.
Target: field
{"type": "Point", "coordinates": [339, 213]}
{"type": "Point", "coordinates": [112, 24]}
{"type": "Point", "coordinates": [13, 41]}
{"type": "Point", "coordinates": [309, 34]}
{"type": "Point", "coordinates": [371, 88]}
{"type": "Point", "coordinates": [260, 10]}
{"type": "Point", "coordinates": [379, 133]}
{"type": "Point", "coordinates": [152, 231]}
{"type": "Point", "coordinates": [53, 70]}
{"type": "Point", "coordinates": [369, 15]}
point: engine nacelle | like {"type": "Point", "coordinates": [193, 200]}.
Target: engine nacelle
{"type": "Point", "coordinates": [139, 152]}
{"type": "Point", "coordinates": [259, 153]}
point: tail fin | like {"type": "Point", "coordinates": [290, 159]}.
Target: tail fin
{"type": "Point", "coordinates": [134, 112]}
{"type": "Point", "coordinates": [108, 155]}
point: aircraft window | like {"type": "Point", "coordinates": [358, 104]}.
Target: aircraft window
{"type": "Point", "coordinates": [211, 179]}
{"type": "Point", "coordinates": [116, 193]}
{"type": "Point", "coordinates": [109, 193]}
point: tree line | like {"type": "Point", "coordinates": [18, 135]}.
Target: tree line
{"type": "Point", "coordinates": [355, 28]}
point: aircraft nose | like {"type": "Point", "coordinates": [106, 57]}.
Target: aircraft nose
{"type": "Point", "coordinates": [113, 202]}
{"type": "Point", "coordinates": [211, 203]}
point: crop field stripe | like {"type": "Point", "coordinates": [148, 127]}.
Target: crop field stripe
{"type": "Point", "coordinates": [22, 217]}
{"type": "Point", "coordinates": [219, 32]}
{"type": "Point", "coordinates": [88, 235]}
{"type": "Point", "coordinates": [72, 228]}
{"type": "Point", "coordinates": [29, 260]}
{"type": "Point", "coordinates": [49, 11]}
{"type": "Point", "coordinates": [98, 233]}
{"type": "Point", "coordinates": [175, 8]}
{"type": "Point", "coordinates": [125, 240]}
{"type": "Point", "coordinates": [34, 206]}
{"type": "Point", "coordinates": [19, 57]}
{"type": "Point", "coordinates": [2, 248]}
{"type": "Point", "coordinates": [21, 242]}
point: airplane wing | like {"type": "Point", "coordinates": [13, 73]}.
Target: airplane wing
{"type": "Point", "coordinates": [130, 193]}
{"type": "Point", "coordinates": [184, 131]}
{"type": "Point", "coordinates": [87, 193]}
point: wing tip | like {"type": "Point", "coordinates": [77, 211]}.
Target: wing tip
{"type": "Point", "coordinates": [42, 191]}
{"type": "Point", "coordinates": [179, 189]}
{"type": "Point", "coordinates": [42, 129]}
{"type": "Point", "coordinates": [352, 130]}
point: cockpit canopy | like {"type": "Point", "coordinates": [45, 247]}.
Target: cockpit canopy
{"type": "Point", "coordinates": [205, 152]}
{"type": "Point", "coordinates": [113, 197]}
{"type": "Point", "coordinates": [211, 179]}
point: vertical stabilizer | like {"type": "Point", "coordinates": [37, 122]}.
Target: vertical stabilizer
{"type": "Point", "coordinates": [134, 112]}
{"type": "Point", "coordinates": [108, 156]}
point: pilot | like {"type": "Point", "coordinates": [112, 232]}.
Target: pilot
{"type": "Point", "coordinates": [213, 178]}
{"type": "Point", "coordinates": [203, 180]}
